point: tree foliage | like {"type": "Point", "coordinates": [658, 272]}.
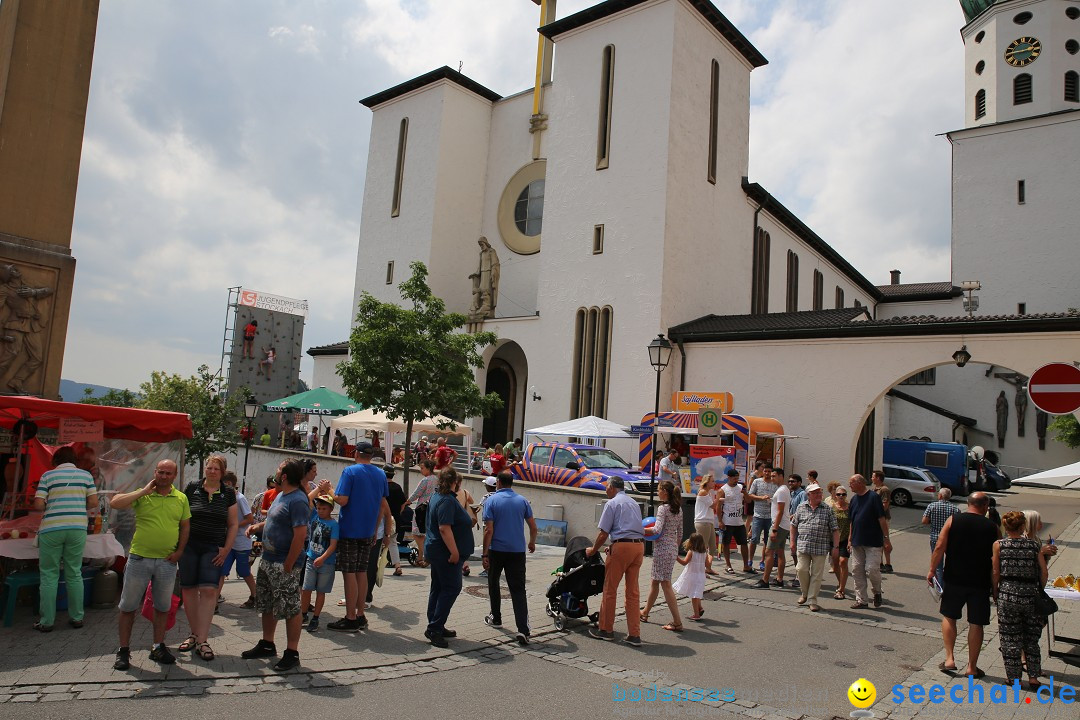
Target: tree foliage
{"type": "Point", "coordinates": [1066, 430]}
{"type": "Point", "coordinates": [113, 398]}
{"type": "Point", "coordinates": [413, 363]}
{"type": "Point", "coordinates": [215, 420]}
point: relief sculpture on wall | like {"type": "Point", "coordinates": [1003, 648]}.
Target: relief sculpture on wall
{"type": "Point", "coordinates": [24, 331]}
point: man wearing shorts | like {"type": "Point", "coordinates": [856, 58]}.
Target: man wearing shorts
{"type": "Point", "coordinates": [731, 503]}
{"type": "Point", "coordinates": [162, 523]}
{"type": "Point", "coordinates": [779, 530]}
{"type": "Point", "coordinates": [966, 543]}
{"type": "Point", "coordinates": [761, 492]}
{"type": "Point", "coordinates": [277, 585]}
{"type": "Point", "coordinates": [361, 494]}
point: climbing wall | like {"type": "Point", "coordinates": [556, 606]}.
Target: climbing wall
{"type": "Point", "coordinates": [282, 331]}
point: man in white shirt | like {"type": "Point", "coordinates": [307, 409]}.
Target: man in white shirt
{"type": "Point", "coordinates": [731, 504]}
{"type": "Point", "coordinates": [778, 536]}
{"type": "Point", "coordinates": [669, 467]}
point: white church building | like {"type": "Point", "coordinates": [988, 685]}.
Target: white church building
{"type": "Point", "coordinates": [615, 195]}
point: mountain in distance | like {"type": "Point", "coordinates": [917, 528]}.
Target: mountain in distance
{"type": "Point", "coordinates": [71, 391]}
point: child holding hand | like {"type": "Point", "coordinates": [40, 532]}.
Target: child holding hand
{"type": "Point", "coordinates": [691, 582]}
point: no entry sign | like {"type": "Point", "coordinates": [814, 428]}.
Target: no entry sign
{"type": "Point", "coordinates": [1055, 388]}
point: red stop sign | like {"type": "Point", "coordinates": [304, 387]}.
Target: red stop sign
{"type": "Point", "coordinates": [1055, 388]}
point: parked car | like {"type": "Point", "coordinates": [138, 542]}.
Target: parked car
{"type": "Point", "coordinates": [574, 465]}
{"type": "Point", "coordinates": [910, 485]}
{"type": "Point", "coordinates": [948, 461]}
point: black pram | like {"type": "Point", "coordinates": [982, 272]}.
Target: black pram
{"type": "Point", "coordinates": [579, 579]}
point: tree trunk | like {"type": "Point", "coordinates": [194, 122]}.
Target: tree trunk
{"type": "Point", "coordinates": [408, 456]}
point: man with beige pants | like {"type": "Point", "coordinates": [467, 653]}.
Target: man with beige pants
{"type": "Point", "coordinates": [814, 535]}
{"type": "Point", "coordinates": [620, 521]}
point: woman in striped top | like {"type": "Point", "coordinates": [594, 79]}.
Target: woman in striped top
{"type": "Point", "coordinates": [214, 524]}
{"type": "Point", "coordinates": [66, 494]}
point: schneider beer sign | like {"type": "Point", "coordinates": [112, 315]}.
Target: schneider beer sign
{"type": "Point", "coordinates": [273, 303]}
{"type": "Point", "coordinates": [691, 401]}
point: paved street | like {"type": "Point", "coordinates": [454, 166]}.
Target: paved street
{"type": "Point", "coordinates": [777, 660]}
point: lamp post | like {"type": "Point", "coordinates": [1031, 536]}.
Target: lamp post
{"type": "Point", "coordinates": [251, 409]}
{"type": "Point", "coordinates": [659, 355]}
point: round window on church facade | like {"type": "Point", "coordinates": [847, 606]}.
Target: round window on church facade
{"type": "Point", "coordinates": [529, 209]}
{"type": "Point", "coordinates": [1072, 47]}
{"type": "Point", "coordinates": [521, 209]}
{"type": "Point", "coordinates": [980, 36]}
{"type": "Point", "coordinates": [1023, 18]}
{"type": "Point", "coordinates": [1072, 13]}
{"type": "Point", "coordinates": [979, 67]}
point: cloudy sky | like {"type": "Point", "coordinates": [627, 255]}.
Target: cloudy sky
{"type": "Point", "coordinates": [225, 146]}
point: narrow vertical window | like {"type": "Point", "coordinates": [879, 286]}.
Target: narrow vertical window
{"type": "Point", "coordinates": [980, 104]}
{"type": "Point", "coordinates": [598, 239]}
{"type": "Point", "coordinates": [1022, 93]}
{"type": "Point", "coordinates": [390, 273]}
{"type": "Point", "coordinates": [714, 111]}
{"type": "Point", "coordinates": [1021, 192]}
{"type": "Point", "coordinates": [399, 170]}
{"type": "Point", "coordinates": [602, 363]}
{"type": "Point", "coordinates": [603, 136]}
{"type": "Point", "coordinates": [792, 304]}
{"type": "Point", "coordinates": [819, 290]}
{"type": "Point", "coordinates": [759, 292]}
{"type": "Point", "coordinates": [1072, 86]}
{"type": "Point", "coordinates": [579, 361]}
{"type": "Point", "coordinates": [1021, 308]}
{"type": "Point", "coordinates": [839, 297]}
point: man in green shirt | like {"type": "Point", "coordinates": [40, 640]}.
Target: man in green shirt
{"type": "Point", "coordinates": [162, 523]}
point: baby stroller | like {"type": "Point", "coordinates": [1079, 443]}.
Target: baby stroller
{"type": "Point", "coordinates": [580, 578]}
{"type": "Point", "coordinates": [406, 548]}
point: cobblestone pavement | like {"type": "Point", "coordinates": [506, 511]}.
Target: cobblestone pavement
{"type": "Point", "coordinates": [77, 664]}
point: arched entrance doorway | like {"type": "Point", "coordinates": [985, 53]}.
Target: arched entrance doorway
{"type": "Point", "coordinates": [506, 376]}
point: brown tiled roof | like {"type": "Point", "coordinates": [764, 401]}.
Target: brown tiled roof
{"type": "Point", "coordinates": [908, 292]}
{"type": "Point", "coordinates": [853, 322]}
{"type": "Point", "coordinates": [341, 348]}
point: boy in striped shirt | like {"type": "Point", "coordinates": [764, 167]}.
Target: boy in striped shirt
{"type": "Point", "coordinates": [65, 494]}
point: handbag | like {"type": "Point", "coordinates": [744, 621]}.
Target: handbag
{"type": "Point", "coordinates": [148, 608]}
{"type": "Point", "coordinates": [1044, 604]}
{"type": "Point", "coordinates": [380, 572]}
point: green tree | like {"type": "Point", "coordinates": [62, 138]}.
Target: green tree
{"type": "Point", "coordinates": [215, 420]}
{"type": "Point", "coordinates": [414, 363]}
{"type": "Point", "coordinates": [1066, 430]}
{"type": "Point", "coordinates": [113, 398]}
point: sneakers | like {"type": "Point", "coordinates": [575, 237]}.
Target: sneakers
{"type": "Point", "coordinates": [161, 655]}
{"type": "Point", "coordinates": [304, 618]}
{"type": "Point", "coordinates": [123, 659]}
{"type": "Point", "coordinates": [633, 640]}
{"type": "Point", "coordinates": [436, 639]}
{"type": "Point", "coordinates": [483, 573]}
{"type": "Point", "coordinates": [601, 634]}
{"type": "Point", "coordinates": [262, 649]}
{"type": "Point", "coordinates": [886, 569]}
{"type": "Point", "coordinates": [362, 622]}
{"type": "Point", "coordinates": [220, 598]}
{"type": "Point", "coordinates": [250, 604]}
{"type": "Point", "coordinates": [877, 600]}
{"type": "Point", "coordinates": [761, 566]}
{"type": "Point", "coordinates": [522, 638]}
{"type": "Point", "coordinates": [313, 624]}
{"type": "Point", "coordinates": [346, 625]}
{"type": "Point", "coordinates": [778, 583]}
{"type": "Point", "coordinates": [761, 584]}
{"type": "Point", "coordinates": [493, 621]}
{"type": "Point", "coordinates": [289, 660]}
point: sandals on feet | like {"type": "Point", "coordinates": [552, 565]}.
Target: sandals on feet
{"type": "Point", "coordinates": [839, 595]}
{"type": "Point", "coordinates": [397, 572]}
{"type": "Point", "coordinates": [673, 627]}
{"type": "Point", "coordinates": [189, 644]}
{"type": "Point", "coordinates": [644, 616]}
{"type": "Point", "coordinates": [205, 652]}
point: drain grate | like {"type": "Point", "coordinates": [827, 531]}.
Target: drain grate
{"type": "Point", "coordinates": [481, 591]}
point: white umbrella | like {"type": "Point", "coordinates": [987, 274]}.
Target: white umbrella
{"type": "Point", "coordinates": [1067, 476]}
{"type": "Point", "coordinates": [585, 427]}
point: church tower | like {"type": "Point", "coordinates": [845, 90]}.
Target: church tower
{"type": "Point", "coordinates": [1021, 58]}
{"type": "Point", "coordinates": [1016, 163]}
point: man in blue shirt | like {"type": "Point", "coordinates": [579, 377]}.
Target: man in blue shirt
{"type": "Point", "coordinates": [620, 521]}
{"type": "Point", "coordinates": [505, 512]}
{"type": "Point", "coordinates": [361, 494]}
{"type": "Point", "coordinates": [277, 586]}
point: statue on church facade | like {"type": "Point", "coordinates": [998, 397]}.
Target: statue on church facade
{"type": "Point", "coordinates": [1021, 403]}
{"type": "Point", "coordinates": [1002, 408]}
{"type": "Point", "coordinates": [485, 283]}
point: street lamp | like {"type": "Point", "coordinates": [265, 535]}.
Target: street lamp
{"type": "Point", "coordinates": [251, 409]}
{"type": "Point", "coordinates": [659, 355]}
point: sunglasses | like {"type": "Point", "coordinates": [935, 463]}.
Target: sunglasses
{"type": "Point", "coordinates": [841, 494]}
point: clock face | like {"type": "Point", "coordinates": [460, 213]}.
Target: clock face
{"type": "Point", "coordinates": [1023, 51]}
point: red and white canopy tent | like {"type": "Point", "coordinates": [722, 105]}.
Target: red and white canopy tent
{"type": "Point", "coordinates": [125, 444]}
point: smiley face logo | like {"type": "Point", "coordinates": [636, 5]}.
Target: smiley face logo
{"type": "Point", "coordinates": [862, 693]}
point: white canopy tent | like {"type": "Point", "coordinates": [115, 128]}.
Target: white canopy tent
{"type": "Point", "coordinates": [586, 427]}
{"type": "Point", "coordinates": [1066, 477]}
{"type": "Point", "coordinates": [371, 420]}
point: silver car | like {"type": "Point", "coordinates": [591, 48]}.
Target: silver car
{"type": "Point", "coordinates": [910, 485]}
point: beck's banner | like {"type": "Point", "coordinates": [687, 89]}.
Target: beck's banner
{"type": "Point", "coordinates": [273, 303]}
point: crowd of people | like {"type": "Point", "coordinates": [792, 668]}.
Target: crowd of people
{"type": "Point", "coordinates": [193, 538]}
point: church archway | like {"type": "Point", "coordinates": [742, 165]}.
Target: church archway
{"type": "Point", "coordinates": [506, 375]}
